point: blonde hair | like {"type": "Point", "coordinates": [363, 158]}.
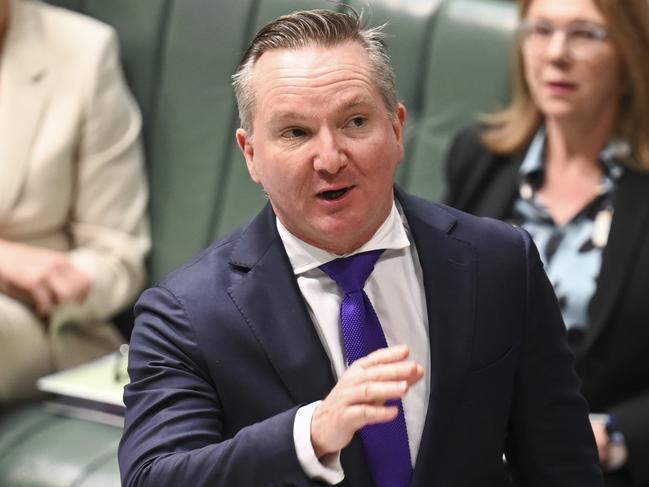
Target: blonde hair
{"type": "Point", "coordinates": [511, 130]}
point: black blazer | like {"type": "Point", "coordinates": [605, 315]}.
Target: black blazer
{"type": "Point", "coordinates": [224, 352]}
{"type": "Point", "coordinates": [613, 360]}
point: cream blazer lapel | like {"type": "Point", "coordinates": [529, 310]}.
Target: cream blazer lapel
{"type": "Point", "coordinates": [23, 96]}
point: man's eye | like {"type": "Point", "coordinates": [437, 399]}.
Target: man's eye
{"type": "Point", "coordinates": [293, 133]}
{"type": "Point", "coordinates": [357, 122]}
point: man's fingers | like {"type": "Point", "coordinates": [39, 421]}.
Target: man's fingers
{"type": "Point", "coordinates": [332, 428]}
{"type": "Point", "coordinates": [375, 392]}
{"type": "Point", "coordinates": [408, 370]}
{"type": "Point", "coordinates": [363, 414]}
{"type": "Point", "coordinates": [359, 398]}
{"type": "Point", "coordinates": [384, 356]}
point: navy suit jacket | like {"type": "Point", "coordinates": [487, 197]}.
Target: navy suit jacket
{"type": "Point", "coordinates": [224, 352]}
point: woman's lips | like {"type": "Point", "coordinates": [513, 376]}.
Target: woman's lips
{"type": "Point", "coordinates": [560, 87]}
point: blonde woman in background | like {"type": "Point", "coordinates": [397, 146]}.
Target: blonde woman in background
{"type": "Point", "coordinates": [73, 230]}
{"type": "Point", "coordinates": [568, 160]}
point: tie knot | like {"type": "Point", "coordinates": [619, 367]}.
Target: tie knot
{"type": "Point", "coordinates": [350, 273]}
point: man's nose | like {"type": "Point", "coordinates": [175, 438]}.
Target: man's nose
{"type": "Point", "coordinates": [330, 156]}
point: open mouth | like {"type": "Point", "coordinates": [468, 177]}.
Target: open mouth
{"type": "Point", "coordinates": [334, 195]}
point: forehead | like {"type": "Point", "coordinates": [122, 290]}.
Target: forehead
{"type": "Point", "coordinates": [566, 10]}
{"type": "Point", "coordinates": [284, 75]}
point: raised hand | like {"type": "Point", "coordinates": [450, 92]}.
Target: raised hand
{"type": "Point", "coordinates": [359, 397]}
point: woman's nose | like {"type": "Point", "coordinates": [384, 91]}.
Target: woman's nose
{"type": "Point", "coordinates": [558, 47]}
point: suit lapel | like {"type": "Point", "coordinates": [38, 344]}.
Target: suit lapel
{"type": "Point", "coordinates": [628, 228]}
{"type": "Point", "coordinates": [271, 303]}
{"type": "Point", "coordinates": [449, 270]}
{"type": "Point", "coordinates": [23, 98]}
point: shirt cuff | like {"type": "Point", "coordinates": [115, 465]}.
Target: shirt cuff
{"type": "Point", "coordinates": [327, 469]}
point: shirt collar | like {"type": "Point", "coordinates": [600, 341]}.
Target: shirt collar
{"type": "Point", "coordinates": [535, 155]}
{"type": "Point", "coordinates": [305, 257]}
{"type": "Point", "coordinates": [531, 169]}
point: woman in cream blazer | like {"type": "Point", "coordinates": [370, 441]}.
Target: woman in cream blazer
{"type": "Point", "coordinates": [73, 227]}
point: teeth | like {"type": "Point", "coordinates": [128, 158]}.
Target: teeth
{"type": "Point", "coordinates": [332, 195]}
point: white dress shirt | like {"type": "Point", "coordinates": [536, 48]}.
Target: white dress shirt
{"type": "Point", "coordinates": [396, 291]}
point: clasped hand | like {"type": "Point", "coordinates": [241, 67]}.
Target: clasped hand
{"type": "Point", "coordinates": [359, 397]}
{"type": "Point", "coordinates": [612, 454]}
{"type": "Point", "coordinates": [40, 278]}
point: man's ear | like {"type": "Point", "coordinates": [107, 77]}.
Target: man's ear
{"type": "Point", "coordinates": [399, 122]}
{"type": "Point", "coordinates": [248, 151]}
{"type": "Point", "coordinates": [398, 125]}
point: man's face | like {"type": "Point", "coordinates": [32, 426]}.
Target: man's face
{"type": "Point", "coordinates": [325, 148]}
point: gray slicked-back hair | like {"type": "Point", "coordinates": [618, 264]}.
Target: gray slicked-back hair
{"type": "Point", "coordinates": [305, 28]}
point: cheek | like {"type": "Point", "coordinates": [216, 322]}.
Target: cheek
{"type": "Point", "coordinates": [266, 170]}
{"type": "Point", "coordinates": [286, 176]}
{"type": "Point", "coordinates": [611, 79]}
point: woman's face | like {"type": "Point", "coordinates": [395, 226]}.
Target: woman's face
{"type": "Point", "coordinates": [572, 67]}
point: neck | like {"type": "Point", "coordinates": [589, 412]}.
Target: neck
{"type": "Point", "coordinates": [572, 141]}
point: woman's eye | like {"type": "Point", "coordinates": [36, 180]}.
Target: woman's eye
{"type": "Point", "coordinates": [584, 33]}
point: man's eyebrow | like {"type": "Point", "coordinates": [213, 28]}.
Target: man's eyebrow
{"type": "Point", "coordinates": [356, 101]}
{"type": "Point", "coordinates": [284, 116]}
{"type": "Point", "coordinates": [287, 116]}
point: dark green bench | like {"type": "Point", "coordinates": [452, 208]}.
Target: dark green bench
{"type": "Point", "coordinates": [452, 62]}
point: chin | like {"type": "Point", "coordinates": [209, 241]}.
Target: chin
{"type": "Point", "coordinates": [330, 243]}
{"type": "Point", "coordinates": [558, 112]}
{"type": "Point", "coordinates": [341, 239]}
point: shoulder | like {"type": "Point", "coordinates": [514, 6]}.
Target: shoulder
{"type": "Point", "coordinates": [484, 231]}
{"type": "Point", "coordinates": [465, 152]}
{"type": "Point", "coordinates": [635, 178]}
{"type": "Point", "coordinates": [210, 270]}
{"type": "Point", "coordinates": [79, 37]}
{"type": "Point", "coordinates": [191, 297]}
{"type": "Point", "coordinates": [503, 253]}
{"type": "Point", "coordinates": [474, 230]}
{"type": "Point", "coordinates": [468, 141]}
{"type": "Point", "coordinates": [227, 261]}
{"type": "Point", "coordinates": [474, 172]}
{"type": "Point", "coordinates": [68, 23]}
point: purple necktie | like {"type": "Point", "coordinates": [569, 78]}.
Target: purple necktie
{"type": "Point", "coordinates": [385, 444]}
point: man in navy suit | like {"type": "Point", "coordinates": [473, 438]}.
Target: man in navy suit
{"type": "Point", "coordinates": [241, 374]}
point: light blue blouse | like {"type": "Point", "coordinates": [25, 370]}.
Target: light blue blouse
{"type": "Point", "coordinates": [571, 253]}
